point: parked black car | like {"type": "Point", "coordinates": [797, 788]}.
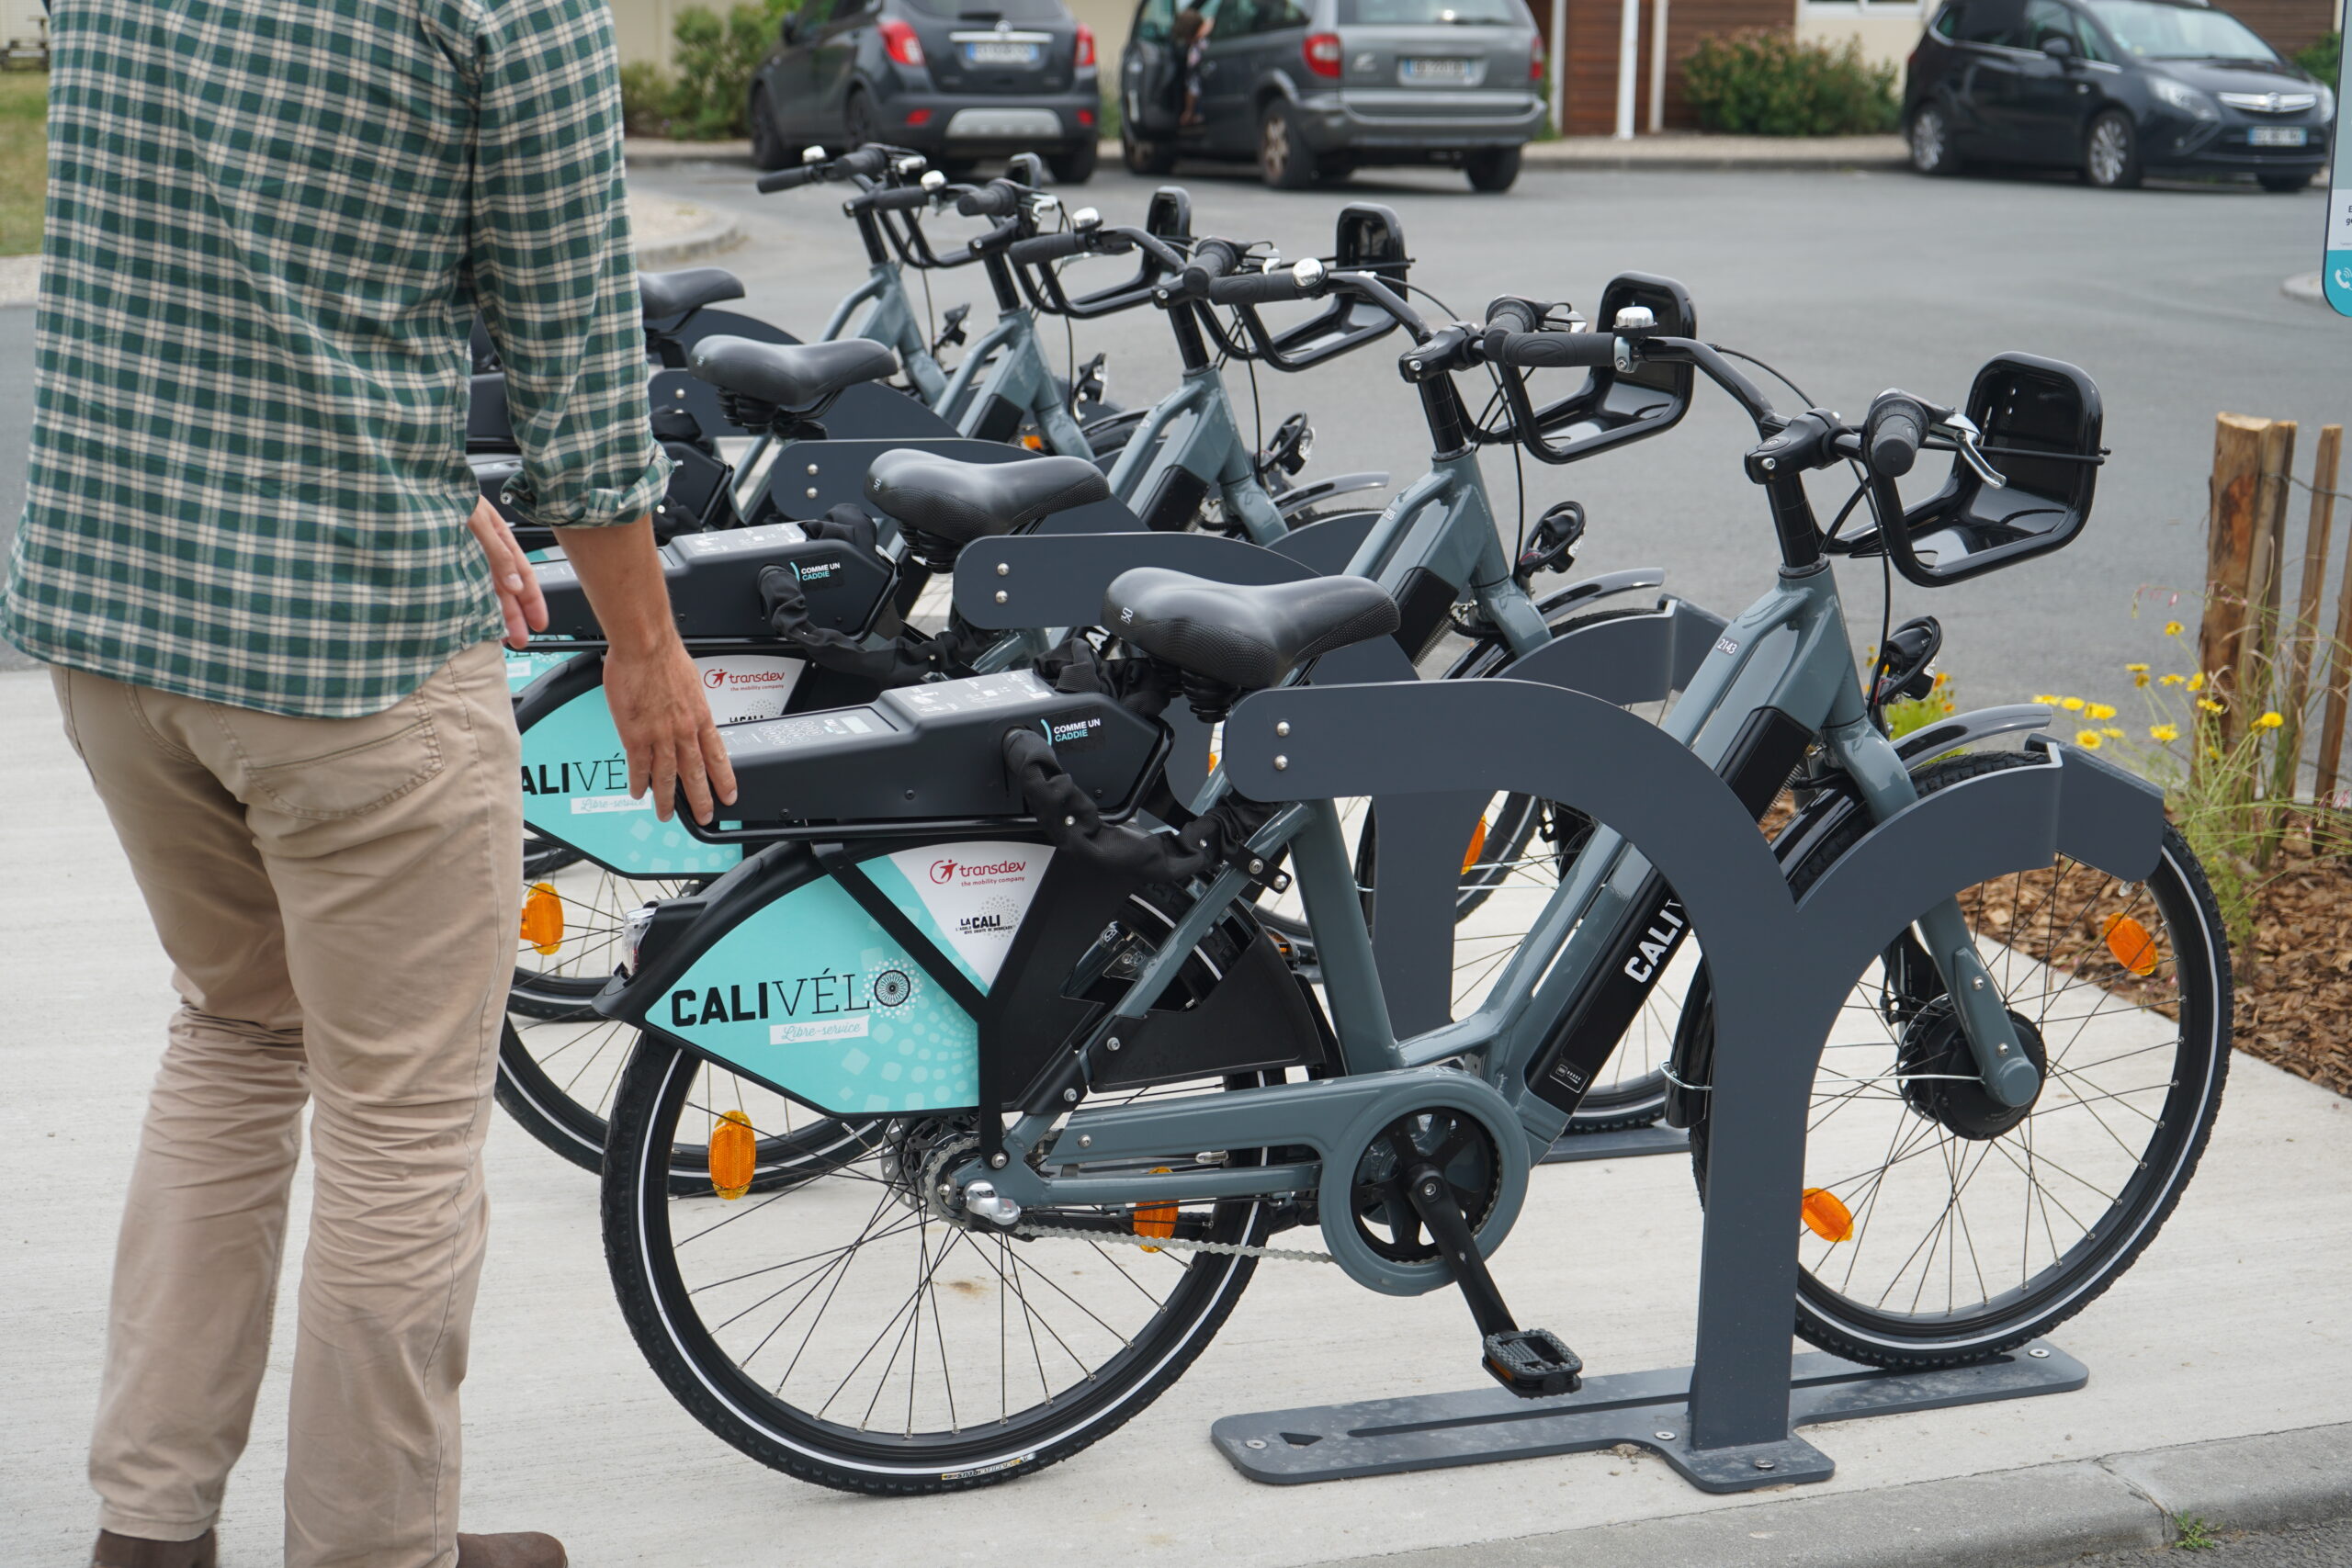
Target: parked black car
{"type": "Point", "coordinates": [956, 80]}
{"type": "Point", "coordinates": [1313, 89]}
{"type": "Point", "coordinates": [2113, 88]}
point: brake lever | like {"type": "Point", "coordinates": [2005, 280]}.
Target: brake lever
{"type": "Point", "coordinates": [1961, 431]}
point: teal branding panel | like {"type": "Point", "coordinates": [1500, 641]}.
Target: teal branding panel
{"type": "Point", "coordinates": [2336, 271]}
{"type": "Point", "coordinates": [812, 995]}
{"type": "Point", "coordinates": [523, 667]}
{"type": "Point", "coordinates": [575, 790]}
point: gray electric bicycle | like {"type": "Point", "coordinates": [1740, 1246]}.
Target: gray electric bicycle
{"type": "Point", "coordinates": [1077, 1090]}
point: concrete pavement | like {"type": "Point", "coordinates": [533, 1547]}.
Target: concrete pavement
{"type": "Point", "coordinates": [2231, 1327]}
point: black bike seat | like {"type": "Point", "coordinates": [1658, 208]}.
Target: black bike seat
{"type": "Point", "coordinates": [961, 501]}
{"type": "Point", "coordinates": [1249, 638]}
{"type": "Point", "coordinates": [665, 294]}
{"type": "Point", "coordinates": [796, 375]}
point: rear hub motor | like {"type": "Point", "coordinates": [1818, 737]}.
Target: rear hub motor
{"type": "Point", "coordinates": [1940, 1079]}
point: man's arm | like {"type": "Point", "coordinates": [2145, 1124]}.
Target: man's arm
{"type": "Point", "coordinates": [651, 683]}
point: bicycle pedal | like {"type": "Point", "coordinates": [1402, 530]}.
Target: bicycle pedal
{"type": "Point", "coordinates": [1533, 1363]}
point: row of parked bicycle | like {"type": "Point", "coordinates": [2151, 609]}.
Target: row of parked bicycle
{"type": "Point", "coordinates": [947, 1095]}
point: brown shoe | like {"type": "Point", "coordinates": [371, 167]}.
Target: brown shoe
{"type": "Point", "coordinates": [525, 1548]}
{"type": "Point", "coordinates": [130, 1551]}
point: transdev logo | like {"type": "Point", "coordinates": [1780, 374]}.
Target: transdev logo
{"type": "Point", "coordinates": [943, 872]}
{"type": "Point", "coordinates": [746, 680]}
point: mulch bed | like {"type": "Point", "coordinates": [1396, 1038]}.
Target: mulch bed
{"type": "Point", "coordinates": [2295, 989]}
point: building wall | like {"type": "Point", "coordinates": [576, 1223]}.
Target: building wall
{"type": "Point", "coordinates": [1887, 33]}
{"type": "Point", "coordinates": [2286, 25]}
{"type": "Point", "coordinates": [642, 29]}
{"type": "Point", "coordinates": [1588, 64]}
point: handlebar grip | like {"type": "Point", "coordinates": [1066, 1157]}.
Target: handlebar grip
{"type": "Point", "coordinates": [1212, 259]}
{"type": "Point", "coordinates": [1048, 248]}
{"type": "Point", "coordinates": [1514, 315]}
{"type": "Point", "coordinates": [903, 198]}
{"type": "Point", "coordinates": [788, 179]}
{"type": "Point", "coordinates": [1257, 289]}
{"type": "Point", "coordinates": [998, 199]}
{"type": "Point", "coordinates": [871, 162]}
{"type": "Point", "coordinates": [1543, 351]}
{"type": "Point", "coordinates": [1892, 432]}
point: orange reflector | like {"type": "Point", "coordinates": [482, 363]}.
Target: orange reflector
{"type": "Point", "coordinates": [734, 1155]}
{"type": "Point", "coordinates": [1826, 1215]}
{"type": "Point", "coordinates": [1477, 843]}
{"type": "Point", "coordinates": [543, 917]}
{"type": "Point", "coordinates": [1035, 442]}
{"type": "Point", "coordinates": [1156, 1219]}
{"type": "Point", "coordinates": [1211, 761]}
{"type": "Point", "coordinates": [2131, 943]}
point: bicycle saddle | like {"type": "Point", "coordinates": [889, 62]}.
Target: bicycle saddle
{"type": "Point", "coordinates": [961, 501]}
{"type": "Point", "coordinates": [1249, 638]}
{"type": "Point", "coordinates": [796, 375]}
{"type": "Point", "coordinates": [666, 294]}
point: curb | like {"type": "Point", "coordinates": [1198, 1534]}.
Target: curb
{"type": "Point", "coordinates": [2029, 1518]}
{"type": "Point", "coordinates": [2304, 286]}
{"type": "Point", "coordinates": [716, 233]}
{"type": "Point", "coordinates": [647, 152]}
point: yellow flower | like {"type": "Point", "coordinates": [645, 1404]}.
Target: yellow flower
{"type": "Point", "coordinates": [2046, 700]}
{"type": "Point", "coordinates": [2171, 679]}
{"type": "Point", "coordinates": [2171, 629]}
{"type": "Point", "coordinates": [2269, 721]}
{"type": "Point", "coordinates": [2089, 740]}
{"type": "Point", "coordinates": [2099, 710]}
{"type": "Point", "coordinates": [2197, 682]}
{"type": "Point", "coordinates": [2137, 669]}
{"type": "Point", "coordinates": [2114, 730]}
{"type": "Point", "coordinates": [2163, 732]}
{"type": "Point", "coordinates": [2140, 677]}
{"type": "Point", "coordinates": [2209, 705]}
{"type": "Point", "coordinates": [2073, 705]}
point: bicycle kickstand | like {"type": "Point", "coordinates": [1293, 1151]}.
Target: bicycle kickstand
{"type": "Point", "coordinates": [1530, 1362]}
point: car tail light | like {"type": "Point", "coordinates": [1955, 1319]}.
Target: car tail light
{"type": "Point", "coordinates": [1322, 53]}
{"type": "Point", "coordinates": [1086, 117]}
{"type": "Point", "coordinates": [1085, 46]}
{"type": "Point", "coordinates": [918, 116]}
{"type": "Point", "coordinates": [1535, 59]}
{"type": "Point", "coordinates": [900, 40]}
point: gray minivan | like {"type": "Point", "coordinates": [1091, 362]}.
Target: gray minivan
{"type": "Point", "coordinates": [1313, 89]}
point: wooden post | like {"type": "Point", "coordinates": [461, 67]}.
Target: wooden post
{"type": "Point", "coordinates": [2300, 645]}
{"type": "Point", "coordinates": [2337, 682]}
{"type": "Point", "coordinates": [2232, 547]}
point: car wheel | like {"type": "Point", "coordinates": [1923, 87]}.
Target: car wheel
{"type": "Point", "coordinates": [1930, 139]}
{"type": "Point", "coordinates": [859, 126]}
{"type": "Point", "coordinates": [768, 149]}
{"type": "Point", "coordinates": [1492, 168]}
{"type": "Point", "coordinates": [2111, 153]}
{"type": "Point", "coordinates": [1143, 157]}
{"type": "Point", "coordinates": [2285, 183]}
{"type": "Point", "coordinates": [1284, 160]}
{"type": "Point", "coordinates": [1073, 165]}
{"type": "Point", "coordinates": [1334, 171]}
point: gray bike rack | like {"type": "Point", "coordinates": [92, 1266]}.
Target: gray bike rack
{"type": "Point", "coordinates": [1780, 967]}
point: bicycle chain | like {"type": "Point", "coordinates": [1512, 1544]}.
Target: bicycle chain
{"type": "Point", "coordinates": [1179, 1244]}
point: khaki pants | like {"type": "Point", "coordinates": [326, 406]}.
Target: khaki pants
{"type": "Point", "coordinates": [338, 897]}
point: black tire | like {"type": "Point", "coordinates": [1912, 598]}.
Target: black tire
{"type": "Point", "coordinates": [1074, 165]}
{"type": "Point", "coordinates": [1336, 170]}
{"type": "Point", "coordinates": [966, 1449]}
{"type": "Point", "coordinates": [769, 149]}
{"type": "Point", "coordinates": [1285, 160]}
{"type": "Point", "coordinates": [1929, 137]}
{"type": "Point", "coordinates": [2284, 183]}
{"type": "Point", "coordinates": [2111, 153]}
{"type": "Point", "coordinates": [1145, 157]}
{"type": "Point", "coordinates": [1491, 168]}
{"type": "Point", "coordinates": [2177, 1105]}
{"type": "Point", "coordinates": [859, 127]}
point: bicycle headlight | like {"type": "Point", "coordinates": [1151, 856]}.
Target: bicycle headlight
{"type": "Point", "coordinates": [634, 925]}
{"type": "Point", "coordinates": [2181, 96]}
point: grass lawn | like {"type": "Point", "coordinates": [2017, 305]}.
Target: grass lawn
{"type": "Point", "coordinates": [24, 159]}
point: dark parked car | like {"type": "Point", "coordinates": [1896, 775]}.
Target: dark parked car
{"type": "Point", "coordinates": [1313, 89]}
{"type": "Point", "coordinates": [2113, 88]}
{"type": "Point", "coordinates": [956, 80]}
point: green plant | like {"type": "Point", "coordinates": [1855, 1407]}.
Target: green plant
{"type": "Point", "coordinates": [1905, 715]}
{"type": "Point", "coordinates": [707, 98]}
{"type": "Point", "coordinates": [2323, 59]}
{"type": "Point", "coordinates": [2196, 1534]}
{"type": "Point", "coordinates": [1767, 83]}
{"type": "Point", "coordinates": [646, 95]}
{"type": "Point", "coordinates": [23, 159]}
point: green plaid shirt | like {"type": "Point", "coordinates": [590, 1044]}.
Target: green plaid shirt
{"type": "Point", "coordinates": [270, 222]}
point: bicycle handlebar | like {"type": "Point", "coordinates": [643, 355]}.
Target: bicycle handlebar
{"type": "Point", "coordinates": [1893, 431]}
{"type": "Point", "coordinates": [1045, 248]}
{"type": "Point", "coordinates": [1541, 351]}
{"type": "Point", "coordinates": [1304, 281]}
{"type": "Point", "coordinates": [790, 179]}
{"type": "Point", "coordinates": [1212, 259]}
{"type": "Point", "coordinates": [903, 198]}
{"type": "Point", "coordinates": [998, 199]}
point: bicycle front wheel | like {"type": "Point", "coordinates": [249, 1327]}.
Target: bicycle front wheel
{"type": "Point", "coordinates": [1941, 1227]}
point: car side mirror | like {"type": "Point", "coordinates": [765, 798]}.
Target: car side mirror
{"type": "Point", "coordinates": [2058, 46]}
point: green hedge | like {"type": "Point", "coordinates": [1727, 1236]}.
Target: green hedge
{"type": "Point", "coordinates": [2323, 59]}
{"type": "Point", "coordinates": [1765, 83]}
{"type": "Point", "coordinates": [706, 99]}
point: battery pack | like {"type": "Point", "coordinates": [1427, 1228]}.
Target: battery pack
{"type": "Point", "coordinates": [714, 581]}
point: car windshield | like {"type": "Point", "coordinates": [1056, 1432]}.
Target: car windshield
{"type": "Point", "coordinates": [992, 10]}
{"type": "Point", "coordinates": [1430, 13]}
{"type": "Point", "coordinates": [2155, 31]}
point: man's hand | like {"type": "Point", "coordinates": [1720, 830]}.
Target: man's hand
{"type": "Point", "coordinates": [651, 685]}
{"type": "Point", "coordinates": [519, 603]}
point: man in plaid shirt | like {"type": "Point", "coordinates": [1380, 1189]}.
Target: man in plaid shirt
{"type": "Point", "coordinates": [255, 559]}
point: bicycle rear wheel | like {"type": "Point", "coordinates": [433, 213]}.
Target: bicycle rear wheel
{"type": "Point", "coordinates": [1940, 1227]}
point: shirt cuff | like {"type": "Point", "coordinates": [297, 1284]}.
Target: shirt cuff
{"type": "Point", "coordinates": [593, 508]}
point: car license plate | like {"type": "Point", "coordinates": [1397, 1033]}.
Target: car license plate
{"type": "Point", "coordinates": [1443, 72]}
{"type": "Point", "coordinates": [2274, 136]}
{"type": "Point", "coordinates": [995, 53]}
